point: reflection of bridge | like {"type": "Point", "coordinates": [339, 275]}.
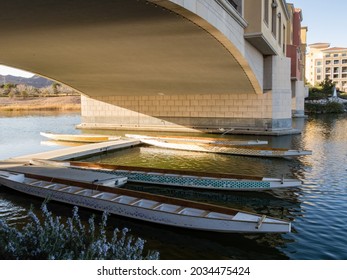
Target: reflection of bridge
{"type": "Point", "coordinates": [162, 64]}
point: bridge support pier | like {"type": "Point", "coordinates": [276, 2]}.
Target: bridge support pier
{"type": "Point", "coordinates": [299, 93]}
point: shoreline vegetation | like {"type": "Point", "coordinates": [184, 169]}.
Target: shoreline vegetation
{"type": "Point", "coordinates": [23, 97]}
{"type": "Point", "coordinates": [325, 99]}
{"type": "Point", "coordinates": [47, 103]}
{"type": "Point", "coordinates": [52, 238]}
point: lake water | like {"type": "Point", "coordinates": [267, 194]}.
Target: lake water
{"type": "Point", "coordinates": [318, 210]}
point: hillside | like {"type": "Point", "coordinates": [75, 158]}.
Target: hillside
{"type": "Point", "coordinates": [35, 81]}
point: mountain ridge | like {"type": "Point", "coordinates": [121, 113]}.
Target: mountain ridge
{"type": "Point", "coordinates": [35, 81]}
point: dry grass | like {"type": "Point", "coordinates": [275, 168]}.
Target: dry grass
{"type": "Point", "coordinates": [64, 103]}
{"type": "Point", "coordinates": [66, 107]}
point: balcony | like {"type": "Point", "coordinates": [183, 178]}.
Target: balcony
{"type": "Point", "coordinates": [266, 30]}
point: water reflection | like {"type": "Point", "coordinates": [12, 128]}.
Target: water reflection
{"type": "Point", "coordinates": [148, 156]}
{"type": "Point", "coordinates": [317, 210]}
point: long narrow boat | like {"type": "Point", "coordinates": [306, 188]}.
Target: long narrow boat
{"type": "Point", "coordinates": [202, 140]}
{"type": "Point", "coordinates": [143, 206]}
{"type": "Point", "coordinates": [230, 150]}
{"type": "Point", "coordinates": [84, 138]}
{"type": "Point", "coordinates": [188, 179]}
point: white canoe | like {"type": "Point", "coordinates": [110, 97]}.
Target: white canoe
{"type": "Point", "coordinates": [84, 138]}
{"type": "Point", "coordinates": [144, 206]}
{"type": "Point", "coordinates": [230, 150]}
{"type": "Point", "coordinates": [201, 140]}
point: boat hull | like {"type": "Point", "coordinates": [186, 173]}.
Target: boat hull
{"type": "Point", "coordinates": [183, 179]}
{"type": "Point", "coordinates": [201, 140]}
{"type": "Point", "coordinates": [83, 138]}
{"type": "Point", "coordinates": [198, 180]}
{"type": "Point", "coordinates": [242, 223]}
{"type": "Point", "coordinates": [239, 151]}
{"type": "Point", "coordinates": [208, 183]}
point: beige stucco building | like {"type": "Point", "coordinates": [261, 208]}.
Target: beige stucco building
{"type": "Point", "coordinates": [325, 62]}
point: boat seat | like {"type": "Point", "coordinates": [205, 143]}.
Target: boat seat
{"type": "Point", "coordinates": [48, 186]}
{"type": "Point", "coordinates": [62, 188]}
{"type": "Point", "coordinates": [76, 191]}
{"type": "Point", "coordinates": [36, 183]}
{"type": "Point", "coordinates": [205, 214]}
{"type": "Point", "coordinates": [156, 205]}
{"type": "Point", "coordinates": [97, 195]}
{"type": "Point", "coordinates": [179, 210]}
{"type": "Point", "coordinates": [260, 222]}
{"type": "Point", "coordinates": [135, 201]}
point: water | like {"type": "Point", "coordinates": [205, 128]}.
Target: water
{"type": "Point", "coordinates": [20, 134]}
{"type": "Point", "coordinates": [317, 210]}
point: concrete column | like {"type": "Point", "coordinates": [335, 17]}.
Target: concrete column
{"type": "Point", "coordinates": [298, 98]}
{"type": "Point", "coordinates": [281, 94]}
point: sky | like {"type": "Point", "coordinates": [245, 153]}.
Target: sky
{"type": "Point", "coordinates": [325, 21]}
{"type": "Point", "coordinates": [4, 70]}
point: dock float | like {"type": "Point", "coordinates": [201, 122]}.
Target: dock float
{"type": "Point", "coordinates": [77, 152]}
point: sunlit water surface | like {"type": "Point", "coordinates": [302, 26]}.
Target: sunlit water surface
{"type": "Point", "coordinates": [318, 210]}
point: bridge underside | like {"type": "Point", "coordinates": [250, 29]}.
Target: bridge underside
{"type": "Point", "coordinates": [138, 64]}
{"type": "Point", "coordinates": [119, 47]}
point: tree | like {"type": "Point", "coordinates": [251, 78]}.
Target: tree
{"type": "Point", "coordinates": [55, 87]}
{"type": "Point", "coordinates": [327, 86]}
{"type": "Point", "coordinates": [7, 88]}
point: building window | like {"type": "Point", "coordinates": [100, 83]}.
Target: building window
{"type": "Point", "coordinates": [279, 28]}
{"type": "Point", "coordinates": [336, 76]}
{"type": "Point", "coordinates": [344, 69]}
{"type": "Point", "coordinates": [344, 76]}
{"type": "Point", "coordinates": [284, 38]}
{"type": "Point", "coordinates": [319, 70]}
{"type": "Point", "coordinates": [319, 63]}
{"type": "Point", "coordinates": [344, 54]}
{"type": "Point", "coordinates": [336, 61]}
{"type": "Point", "coordinates": [273, 17]}
{"type": "Point", "coordinates": [327, 55]}
{"type": "Point", "coordinates": [336, 70]}
{"type": "Point", "coordinates": [344, 61]}
{"type": "Point", "coordinates": [266, 11]}
{"type": "Point", "coordinates": [327, 62]}
{"type": "Point", "coordinates": [237, 4]}
{"type": "Point", "coordinates": [327, 76]}
{"type": "Point", "coordinates": [328, 70]}
{"type": "Point", "coordinates": [319, 77]}
{"type": "Point", "coordinates": [336, 54]}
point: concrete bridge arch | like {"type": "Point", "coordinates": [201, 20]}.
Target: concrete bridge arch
{"type": "Point", "coordinates": [158, 64]}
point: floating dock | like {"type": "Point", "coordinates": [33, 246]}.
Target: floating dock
{"type": "Point", "coordinates": [75, 152]}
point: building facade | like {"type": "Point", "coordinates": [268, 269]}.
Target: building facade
{"type": "Point", "coordinates": [325, 62]}
{"type": "Point", "coordinates": [296, 49]}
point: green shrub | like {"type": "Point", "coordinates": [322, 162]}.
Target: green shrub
{"type": "Point", "coordinates": [316, 95]}
{"type": "Point", "coordinates": [329, 107]}
{"type": "Point", "coordinates": [334, 107]}
{"type": "Point", "coordinates": [52, 239]}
